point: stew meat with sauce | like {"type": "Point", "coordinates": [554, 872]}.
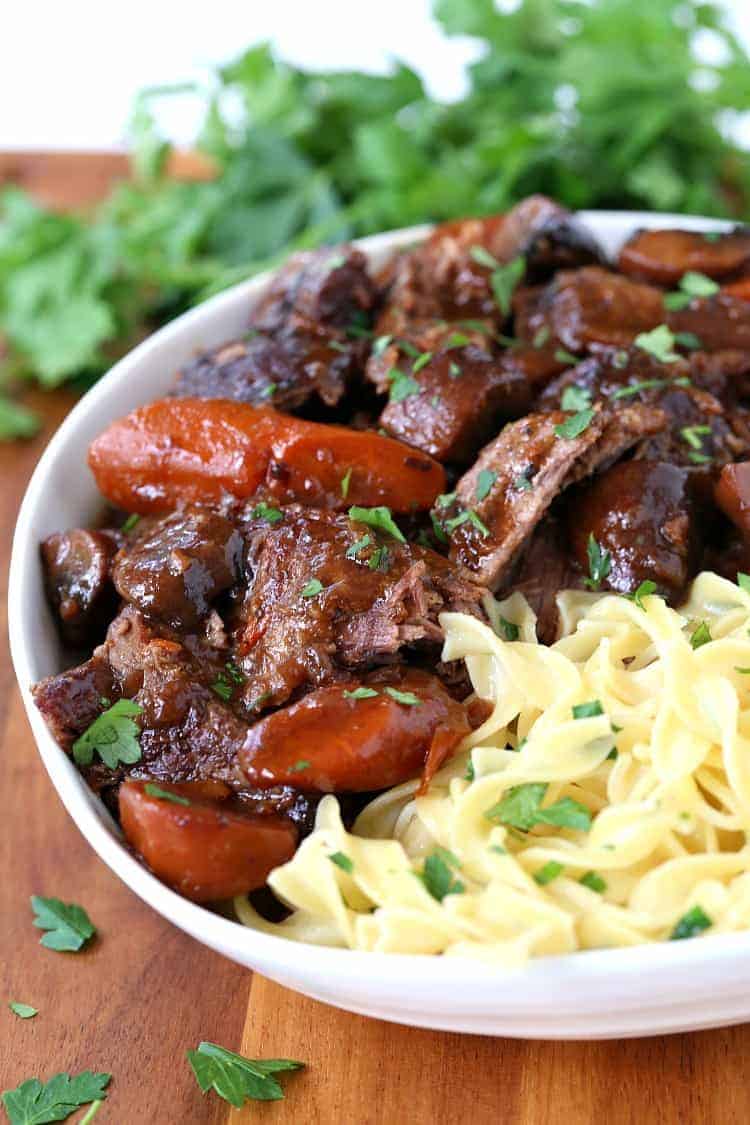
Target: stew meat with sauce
{"type": "Point", "coordinates": [499, 409]}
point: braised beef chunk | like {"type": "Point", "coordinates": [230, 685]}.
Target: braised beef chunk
{"type": "Point", "coordinates": [176, 571]}
{"type": "Point", "coordinates": [732, 494]}
{"type": "Point", "coordinates": [715, 323]}
{"type": "Point", "coordinates": [329, 594]}
{"type": "Point", "coordinates": [284, 370]}
{"type": "Point", "coordinates": [77, 566]}
{"type": "Point", "coordinates": [400, 341]}
{"type": "Point", "coordinates": [499, 502]}
{"type": "Point", "coordinates": [329, 287]}
{"type": "Point", "coordinates": [452, 404]}
{"type": "Point", "coordinates": [697, 394]}
{"type": "Point", "coordinates": [642, 514]}
{"type": "Point", "coordinates": [579, 308]}
{"type": "Point", "coordinates": [447, 277]}
{"type": "Point", "coordinates": [71, 700]}
{"type": "Point", "coordinates": [663, 257]}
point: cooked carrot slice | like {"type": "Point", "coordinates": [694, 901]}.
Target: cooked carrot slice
{"type": "Point", "coordinates": [732, 494]}
{"type": "Point", "coordinates": [344, 739]}
{"type": "Point", "coordinates": [739, 288]}
{"type": "Point", "coordinates": [199, 450]}
{"type": "Point", "coordinates": [205, 846]}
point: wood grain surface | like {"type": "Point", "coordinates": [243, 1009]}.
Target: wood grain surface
{"type": "Point", "coordinates": [144, 993]}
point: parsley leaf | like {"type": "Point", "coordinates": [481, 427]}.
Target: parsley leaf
{"type": "Point", "coordinates": [408, 698]}
{"type": "Point", "coordinates": [508, 630]}
{"type": "Point", "coordinates": [587, 710]}
{"type": "Point", "coordinates": [130, 522]}
{"type": "Point", "coordinates": [361, 693]}
{"type": "Point", "coordinates": [548, 872]}
{"type": "Point", "coordinates": [504, 280]}
{"type": "Point", "coordinates": [485, 481]}
{"type": "Point", "coordinates": [342, 861]}
{"type": "Point", "coordinates": [646, 588]}
{"type": "Point", "coordinates": [575, 398]}
{"type": "Point", "coordinates": [300, 766]}
{"type": "Point", "coordinates": [345, 482]}
{"type": "Point", "coordinates": [379, 518]}
{"type": "Point", "coordinates": [743, 581]}
{"type": "Point", "coordinates": [264, 511]}
{"type": "Point", "coordinates": [698, 285]}
{"type": "Point", "coordinates": [23, 1011]}
{"type": "Point", "coordinates": [594, 882]}
{"type": "Point", "coordinates": [563, 356]}
{"type": "Point", "coordinates": [235, 1078]}
{"type": "Point", "coordinates": [636, 388]}
{"type": "Point", "coordinates": [693, 434]}
{"type": "Point", "coordinates": [468, 515]}
{"type": "Point", "coordinates": [154, 790]}
{"type": "Point", "coordinates": [69, 926]}
{"type": "Point", "coordinates": [521, 808]}
{"type": "Point", "coordinates": [454, 371]}
{"type": "Point", "coordinates": [694, 922]}
{"type": "Point", "coordinates": [421, 361]}
{"type": "Point", "coordinates": [600, 564]}
{"type": "Point", "coordinates": [358, 546]}
{"type": "Point", "coordinates": [483, 257]}
{"type": "Point", "coordinates": [380, 344]}
{"type": "Point", "coordinates": [16, 420]}
{"type": "Point", "coordinates": [402, 385]}
{"type": "Point", "coordinates": [575, 425]}
{"type": "Point", "coordinates": [113, 736]}
{"type": "Point", "coordinates": [701, 636]}
{"type": "Point", "coordinates": [438, 877]}
{"type": "Point", "coordinates": [659, 343]}
{"type": "Point", "coordinates": [35, 1102]}
{"type": "Point", "coordinates": [312, 588]}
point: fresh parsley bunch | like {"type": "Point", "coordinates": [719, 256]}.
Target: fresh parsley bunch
{"type": "Point", "coordinates": [600, 104]}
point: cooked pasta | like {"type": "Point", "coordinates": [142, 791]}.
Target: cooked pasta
{"type": "Point", "coordinates": [604, 802]}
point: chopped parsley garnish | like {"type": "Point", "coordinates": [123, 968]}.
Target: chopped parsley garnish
{"type": "Point", "coordinates": [235, 1078]}
{"type": "Point", "coordinates": [504, 280]}
{"type": "Point", "coordinates": [688, 340]}
{"type": "Point", "coordinates": [675, 301]}
{"type": "Point", "coordinates": [402, 385]}
{"type": "Point", "coordinates": [712, 235]}
{"type": "Point", "coordinates": [483, 257]}
{"type": "Point", "coordinates": [342, 861]}
{"type": "Point", "coordinates": [356, 548]}
{"type": "Point", "coordinates": [521, 808]}
{"type": "Point", "coordinates": [262, 699]}
{"type": "Point", "coordinates": [165, 795]}
{"type": "Point", "coordinates": [345, 482]}
{"type": "Point", "coordinates": [435, 402]}
{"type": "Point", "coordinates": [470, 774]}
{"type": "Point", "coordinates": [113, 736]}
{"type": "Point", "coordinates": [437, 529]}
{"type": "Point", "coordinates": [336, 262]}
{"type": "Point", "coordinates": [659, 343]}
{"type": "Point", "coordinates": [587, 710]}
{"type": "Point", "coordinates": [694, 922]}
{"type": "Point", "coordinates": [454, 370]}
{"type": "Point", "coordinates": [541, 336]}
{"type": "Point", "coordinates": [563, 356]}
{"type": "Point", "coordinates": [698, 285]}
{"type": "Point", "coordinates": [523, 483]}
{"type": "Point", "coordinates": [575, 398]}
{"type": "Point", "coordinates": [701, 636]}
{"type": "Point", "coordinates": [600, 564]}
{"type": "Point", "coordinates": [468, 515]}
{"type": "Point", "coordinates": [594, 882]}
{"type": "Point", "coordinates": [743, 581]}
{"type": "Point", "coordinates": [299, 766]}
{"type": "Point", "coordinates": [699, 458]}
{"type": "Point", "coordinates": [312, 588]}
{"type": "Point", "coordinates": [68, 925]}
{"type": "Point", "coordinates": [646, 588]}
{"type": "Point", "coordinates": [742, 671]}
{"type": "Point", "coordinates": [23, 1011]}
{"type": "Point", "coordinates": [421, 361]}
{"type": "Point", "coordinates": [438, 874]}
{"type": "Point", "coordinates": [574, 425]}
{"type": "Point", "coordinates": [378, 518]}
{"type": "Point", "coordinates": [620, 359]}
{"type": "Point", "coordinates": [506, 629]}
{"type": "Point", "coordinates": [361, 693]}
{"type": "Point", "coordinates": [270, 389]}
{"type": "Point", "coordinates": [264, 511]}
{"type": "Point", "coordinates": [445, 499]}
{"type": "Point", "coordinates": [485, 481]}
{"type": "Point", "coordinates": [693, 435]}
{"type": "Point", "coordinates": [379, 559]}
{"type": "Point", "coordinates": [456, 340]}
{"type": "Point", "coordinates": [408, 698]}
{"type": "Point", "coordinates": [222, 687]}
{"type": "Point", "coordinates": [130, 522]}
{"type": "Point", "coordinates": [408, 348]}
{"type": "Point", "coordinates": [636, 388]}
{"type": "Point", "coordinates": [34, 1102]}
{"type": "Point", "coordinates": [380, 344]}
{"type": "Point", "coordinates": [548, 872]}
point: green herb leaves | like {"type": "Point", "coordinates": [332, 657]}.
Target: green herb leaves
{"type": "Point", "coordinates": [113, 736]}
{"type": "Point", "coordinates": [701, 635]}
{"type": "Point", "coordinates": [23, 1011]}
{"type": "Point", "coordinates": [575, 425]}
{"type": "Point", "coordinates": [521, 808]}
{"type": "Point", "coordinates": [548, 872]}
{"type": "Point", "coordinates": [154, 790]}
{"type": "Point", "coordinates": [312, 588]}
{"type": "Point", "coordinates": [235, 1078]}
{"type": "Point", "coordinates": [594, 882]}
{"type": "Point", "coordinates": [35, 1102]}
{"type": "Point", "coordinates": [361, 693]}
{"type": "Point", "coordinates": [402, 385]}
{"type": "Point", "coordinates": [659, 343]}
{"type": "Point", "coordinates": [645, 590]}
{"type": "Point", "coordinates": [265, 512]}
{"type": "Point", "coordinates": [575, 398]}
{"type": "Point", "coordinates": [485, 480]}
{"type": "Point", "coordinates": [600, 564]}
{"type": "Point", "coordinates": [342, 861]}
{"type": "Point", "coordinates": [68, 925]}
{"type": "Point", "coordinates": [504, 278]}
{"type": "Point", "coordinates": [694, 922]}
{"type": "Point", "coordinates": [588, 710]}
{"type": "Point", "coordinates": [438, 874]}
{"type": "Point", "coordinates": [378, 518]}
{"type": "Point", "coordinates": [692, 284]}
{"type": "Point", "coordinates": [407, 698]}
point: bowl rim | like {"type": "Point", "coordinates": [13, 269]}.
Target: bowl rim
{"type": "Point", "coordinates": [545, 978]}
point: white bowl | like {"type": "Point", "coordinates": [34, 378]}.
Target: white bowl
{"type": "Point", "coordinates": [675, 986]}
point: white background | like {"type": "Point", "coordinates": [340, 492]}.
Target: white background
{"type": "Point", "coordinates": [69, 70]}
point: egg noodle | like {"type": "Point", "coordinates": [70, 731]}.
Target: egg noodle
{"type": "Point", "coordinates": [604, 802]}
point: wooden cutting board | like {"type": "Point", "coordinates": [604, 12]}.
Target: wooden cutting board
{"type": "Point", "coordinates": [144, 993]}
